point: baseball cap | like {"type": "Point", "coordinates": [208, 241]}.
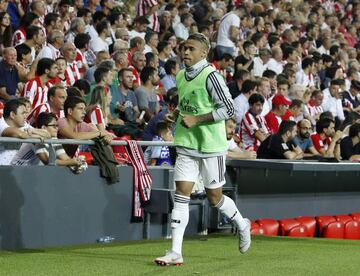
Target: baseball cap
{"type": "Point", "coordinates": [280, 100]}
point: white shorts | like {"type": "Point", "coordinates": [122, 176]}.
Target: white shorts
{"type": "Point", "coordinates": [211, 169]}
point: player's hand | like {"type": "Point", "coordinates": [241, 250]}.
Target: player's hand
{"type": "Point", "coordinates": [189, 121]}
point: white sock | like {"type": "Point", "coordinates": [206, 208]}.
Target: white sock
{"type": "Point", "coordinates": [227, 207]}
{"type": "Point", "coordinates": [179, 221]}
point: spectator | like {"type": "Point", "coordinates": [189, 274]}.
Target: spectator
{"type": "Point", "coordinates": [52, 50]}
{"type": "Point", "coordinates": [305, 75]}
{"type": "Point", "coordinates": [171, 70]}
{"type": "Point", "coordinates": [281, 145]}
{"type": "Point", "coordinates": [98, 44]}
{"type": "Point", "coordinates": [74, 127]}
{"type": "Point", "coordinates": [84, 56]}
{"type": "Point", "coordinates": [279, 106]}
{"type": "Point", "coordinates": [35, 154]}
{"type": "Point", "coordinates": [146, 94]}
{"type": "Point", "coordinates": [137, 65]}
{"type": "Point", "coordinates": [150, 10]}
{"type": "Point", "coordinates": [6, 31]}
{"type": "Point", "coordinates": [182, 29]}
{"type": "Point", "coordinates": [77, 26]}
{"type": "Point", "coordinates": [254, 130]}
{"type": "Point", "coordinates": [351, 99]}
{"type": "Point", "coordinates": [295, 111]}
{"type": "Point", "coordinates": [35, 39]}
{"type": "Point", "coordinates": [52, 21]}
{"type": "Point", "coordinates": [56, 97]}
{"type": "Point", "coordinates": [332, 100]}
{"type": "Point", "coordinates": [241, 102]}
{"type": "Point", "coordinates": [160, 155]}
{"type": "Point", "coordinates": [276, 62]}
{"type": "Point", "coordinates": [26, 68]}
{"type": "Point", "coordinates": [9, 75]}
{"type": "Point", "coordinates": [19, 36]}
{"type": "Point", "coordinates": [223, 64]}
{"type": "Point", "coordinates": [235, 85]}
{"type": "Point", "coordinates": [228, 33]}
{"type": "Point", "coordinates": [164, 49]}
{"type": "Point", "coordinates": [139, 28]}
{"type": "Point", "coordinates": [260, 62]}
{"type": "Point", "coordinates": [264, 89]}
{"type": "Point", "coordinates": [326, 141]}
{"type": "Point", "coordinates": [152, 41]}
{"type": "Point", "coordinates": [303, 139]}
{"type": "Point", "coordinates": [36, 89]}
{"type": "Point", "coordinates": [72, 73]}
{"type": "Point", "coordinates": [313, 108]}
{"type": "Point", "coordinates": [12, 124]}
{"type": "Point", "coordinates": [124, 103]}
{"type": "Point", "coordinates": [350, 145]}
{"type": "Point", "coordinates": [150, 128]}
{"type": "Point", "coordinates": [234, 150]}
{"type": "Point", "coordinates": [100, 57]}
{"type": "Point", "coordinates": [246, 60]}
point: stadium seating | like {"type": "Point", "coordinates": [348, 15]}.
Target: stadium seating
{"type": "Point", "coordinates": [355, 216]}
{"type": "Point", "coordinates": [334, 230]}
{"type": "Point", "coordinates": [323, 221]}
{"type": "Point", "coordinates": [286, 225]}
{"type": "Point", "coordinates": [309, 223]}
{"type": "Point", "coordinates": [343, 218]}
{"type": "Point", "coordinates": [299, 231]}
{"type": "Point", "coordinates": [256, 229]}
{"type": "Point", "coordinates": [352, 230]}
{"type": "Point", "coordinates": [270, 226]}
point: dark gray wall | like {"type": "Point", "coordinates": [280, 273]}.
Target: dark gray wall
{"type": "Point", "coordinates": [53, 207]}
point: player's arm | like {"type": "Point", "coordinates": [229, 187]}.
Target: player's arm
{"type": "Point", "coordinates": [221, 97]}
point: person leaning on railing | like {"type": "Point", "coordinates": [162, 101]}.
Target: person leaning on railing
{"type": "Point", "coordinates": [13, 124]}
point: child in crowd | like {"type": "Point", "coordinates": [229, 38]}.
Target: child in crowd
{"type": "Point", "coordinates": [160, 155]}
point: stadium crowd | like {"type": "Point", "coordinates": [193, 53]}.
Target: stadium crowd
{"type": "Point", "coordinates": [82, 69]}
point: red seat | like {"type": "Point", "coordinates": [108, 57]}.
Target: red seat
{"type": "Point", "coordinates": [270, 226]}
{"type": "Point", "coordinates": [286, 225]}
{"type": "Point", "coordinates": [352, 230]}
{"type": "Point", "coordinates": [355, 216]}
{"type": "Point", "coordinates": [323, 221]}
{"type": "Point", "coordinates": [309, 223]}
{"type": "Point", "coordinates": [334, 230]}
{"type": "Point", "coordinates": [256, 229]}
{"type": "Point", "coordinates": [343, 218]}
{"type": "Point", "coordinates": [88, 157]}
{"type": "Point", "coordinates": [299, 231]}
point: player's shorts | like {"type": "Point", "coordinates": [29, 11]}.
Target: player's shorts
{"type": "Point", "coordinates": [211, 169]}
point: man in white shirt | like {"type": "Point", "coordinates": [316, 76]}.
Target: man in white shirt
{"type": "Point", "coordinates": [332, 102]}
{"type": "Point", "coordinates": [305, 76]}
{"type": "Point", "coordinates": [276, 62]}
{"type": "Point", "coordinates": [13, 124]}
{"type": "Point", "coordinates": [99, 44]}
{"type": "Point", "coordinates": [228, 33]}
{"type": "Point", "coordinates": [241, 103]}
{"type": "Point", "coordinates": [52, 49]}
{"type": "Point", "coordinates": [182, 29]}
{"type": "Point", "coordinates": [260, 62]}
{"type": "Point", "coordinates": [140, 25]}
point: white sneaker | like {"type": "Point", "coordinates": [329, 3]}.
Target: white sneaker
{"type": "Point", "coordinates": [245, 237]}
{"type": "Point", "coordinates": [170, 258]}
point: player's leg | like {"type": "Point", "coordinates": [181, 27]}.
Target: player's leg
{"type": "Point", "coordinates": [186, 173]}
{"type": "Point", "coordinates": [213, 173]}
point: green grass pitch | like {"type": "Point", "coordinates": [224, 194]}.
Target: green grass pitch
{"type": "Point", "coordinates": [210, 255]}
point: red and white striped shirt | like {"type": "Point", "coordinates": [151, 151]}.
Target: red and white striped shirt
{"type": "Point", "coordinates": [95, 117]}
{"type": "Point", "coordinates": [249, 125]}
{"type": "Point", "coordinates": [81, 62]}
{"type": "Point", "coordinates": [35, 91]}
{"type": "Point", "coordinates": [313, 110]}
{"type": "Point", "coordinates": [32, 118]}
{"type": "Point", "coordinates": [72, 73]}
{"type": "Point", "coordinates": [143, 7]}
{"type": "Point", "coordinates": [136, 76]}
{"type": "Point", "coordinates": [19, 37]}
